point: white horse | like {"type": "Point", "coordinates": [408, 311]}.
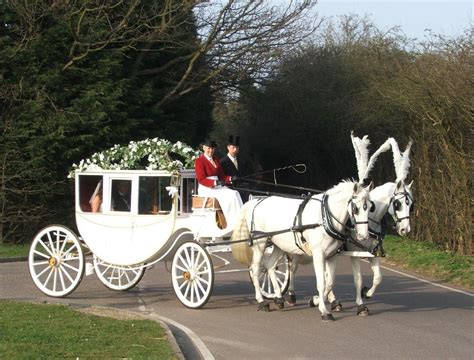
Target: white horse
{"type": "Point", "coordinates": [396, 199]}
{"type": "Point", "coordinates": [315, 226]}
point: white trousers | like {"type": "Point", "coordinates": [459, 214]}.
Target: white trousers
{"type": "Point", "coordinates": [229, 199]}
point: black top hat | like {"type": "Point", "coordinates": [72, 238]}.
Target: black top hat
{"type": "Point", "coordinates": [210, 143]}
{"type": "Point", "coordinates": [234, 140]}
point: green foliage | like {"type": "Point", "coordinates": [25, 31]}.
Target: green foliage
{"type": "Point", "coordinates": [357, 78]}
{"type": "Point", "coordinates": [59, 332]}
{"type": "Point", "coordinates": [14, 250]}
{"type": "Point", "coordinates": [61, 101]}
{"type": "Point", "coordinates": [427, 258]}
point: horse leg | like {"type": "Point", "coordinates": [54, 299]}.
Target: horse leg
{"type": "Point", "coordinates": [294, 261]}
{"type": "Point", "coordinates": [319, 263]}
{"type": "Point", "coordinates": [271, 267]}
{"type": "Point", "coordinates": [375, 265]}
{"type": "Point", "coordinates": [258, 252]}
{"type": "Point", "coordinates": [330, 281]}
{"type": "Point", "coordinates": [361, 309]}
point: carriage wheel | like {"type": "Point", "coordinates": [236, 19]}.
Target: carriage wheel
{"type": "Point", "coordinates": [282, 273]}
{"type": "Point", "coordinates": [192, 275]}
{"type": "Point", "coordinates": [117, 277]}
{"type": "Point", "coordinates": [56, 261]}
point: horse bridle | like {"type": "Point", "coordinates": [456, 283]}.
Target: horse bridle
{"type": "Point", "coordinates": [355, 211]}
{"type": "Point", "coordinates": [396, 204]}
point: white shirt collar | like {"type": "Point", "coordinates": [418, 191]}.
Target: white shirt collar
{"type": "Point", "coordinates": [231, 157]}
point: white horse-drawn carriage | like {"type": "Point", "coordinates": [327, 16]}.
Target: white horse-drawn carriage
{"type": "Point", "coordinates": [164, 221]}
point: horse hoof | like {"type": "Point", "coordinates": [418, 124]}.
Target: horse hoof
{"type": "Point", "coordinates": [279, 303]}
{"type": "Point", "coordinates": [291, 301]}
{"type": "Point", "coordinates": [311, 303]}
{"type": "Point", "coordinates": [364, 292]}
{"type": "Point", "coordinates": [362, 310]}
{"type": "Point", "coordinates": [327, 318]}
{"type": "Point", "coordinates": [263, 306]}
{"type": "Point", "coordinates": [336, 305]}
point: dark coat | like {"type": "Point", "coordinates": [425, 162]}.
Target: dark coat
{"type": "Point", "coordinates": [229, 167]}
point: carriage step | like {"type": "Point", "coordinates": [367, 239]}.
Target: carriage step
{"type": "Point", "coordinates": [356, 253]}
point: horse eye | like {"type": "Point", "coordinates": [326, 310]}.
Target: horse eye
{"type": "Point", "coordinates": [372, 206]}
{"type": "Point", "coordinates": [365, 206]}
{"type": "Point", "coordinates": [355, 210]}
{"type": "Point", "coordinates": [407, 201]}
{"type": "Point", "coordinates": [396, 205]}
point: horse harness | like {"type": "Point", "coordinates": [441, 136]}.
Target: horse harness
{"type": "Point", "coordinates": [396, 204]}
{"type": "Point", "coordinates": [298, 227]}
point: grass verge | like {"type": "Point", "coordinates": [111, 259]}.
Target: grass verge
{"type": "Point", "coordinates": [425, 258]}
{"type": "Point", "coordinates": [33, 331]}
{"type": "Point", "coordinates": [13, 250]}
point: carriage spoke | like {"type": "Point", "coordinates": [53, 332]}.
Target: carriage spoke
{"type": "Point", "coordinates": [36, 263]}
{"type": "Point", "coordinates": [181, 268]}
{"type": "Point", "coordinates": [201, 264]}
{"type": "Point", "coordinates": [50, 241]}
{"type": "Point", "coordinates": [66, 273]}
{"type": "Point", "coordinates": [43, 271]}
{"type": "Point", "coordinates": [198, 284]}
{"type": "Point", "coordinates": [183, 283]}
{"type": "Point", "coordinates": [187, 288]}
{"type": "Point", "coordinates": [71, 267]}
{"type": "Point", "coordinates": [55, 278]}
{"type": "Point", "coordinates": [184, 262]}
{"type": "Point", "coordinates": [41, 254]}
{"type": "Point", "coordinates": [189, 263]}
{"type": "Point", "coordinates": [61, 278]}
{"type": "Point", "coordinates": [202, 280]}
{"type": "Point", "coordinates": [46, 247]}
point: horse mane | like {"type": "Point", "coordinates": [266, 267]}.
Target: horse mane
{"type": "Point", "coordinates": [401, 161]}
{"type": "Point", "coordinates": [344, 185]}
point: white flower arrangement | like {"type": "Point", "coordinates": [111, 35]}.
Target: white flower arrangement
{"type": "Point", "coordinates": [149, 154]}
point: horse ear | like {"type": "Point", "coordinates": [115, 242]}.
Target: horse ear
{"type": "Point", "coordinates": [370, 186]}
{"type": "Point", "coordinates": [409, 185]}
{"type": "Point", "coordinates": [399, 184]}
{"type": "Point", "coordinates": [356, 188]}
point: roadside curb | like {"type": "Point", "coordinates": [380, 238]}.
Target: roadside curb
{"type": "Point", "coordinates": [13, 259]}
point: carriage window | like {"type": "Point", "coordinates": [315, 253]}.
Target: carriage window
{"type": "Point", "coordinates": [153, 197]}
{"type": "Point", "coordinates": [90, 193]}
{"type": "Point", "coordinates": [189, 189]}
{"type": "Point", "coordinates": [121, 195]}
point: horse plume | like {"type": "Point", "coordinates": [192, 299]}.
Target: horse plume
{"type": "Point", "coordinates": [361, 148]}
{"type": "Point", "coordinates": [401, 161]}
{"type": "Point", "coordinates": [384, 147]}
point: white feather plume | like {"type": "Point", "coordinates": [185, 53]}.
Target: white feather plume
{"type": "Point", "coordinates": [401, 161]}
{"type": "Point", "coordinates": [361, 148]}
{"type": "Point", "coordinates": [405, 162]}
{"type": "Point", "coordinates": [383, 148]}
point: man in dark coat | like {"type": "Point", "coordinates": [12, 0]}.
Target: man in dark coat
{"type": "Point", "coordinates": [230, 163]}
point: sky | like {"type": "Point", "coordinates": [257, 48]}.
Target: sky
{"type": "Point", "coordinates": [446, 17]}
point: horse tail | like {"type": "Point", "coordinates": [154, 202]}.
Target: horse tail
{"type": "Point", "coordinates": [241, 251]}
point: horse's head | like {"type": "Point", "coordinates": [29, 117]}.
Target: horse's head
{"type": "Point", "coordinates": [401, 204]}
{"type": "Point", "coordinates": [359, 207]}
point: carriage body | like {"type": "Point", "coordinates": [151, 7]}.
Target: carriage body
{"type": "Point", "coordinates": [159, 223]}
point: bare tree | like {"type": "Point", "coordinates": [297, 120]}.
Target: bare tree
{"type": "Point", "coordinates": [233, 38]}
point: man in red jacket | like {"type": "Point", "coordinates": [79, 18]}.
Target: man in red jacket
{"type": "Point", "coordinates": [212, 179]}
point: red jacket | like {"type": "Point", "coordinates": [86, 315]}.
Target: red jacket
{"type": "Point", "coordinates": [204, 168]}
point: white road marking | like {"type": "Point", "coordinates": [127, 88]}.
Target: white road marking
{"type": "Point", "coordinates": [426, 281]}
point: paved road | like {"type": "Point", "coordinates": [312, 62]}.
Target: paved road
{"type": "Point", "coordinates": [410, 319]}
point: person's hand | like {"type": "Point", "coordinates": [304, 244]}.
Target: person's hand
{"type": "Point", "coordinates": [220, 183]}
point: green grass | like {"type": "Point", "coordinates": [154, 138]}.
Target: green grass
{"type": "Point", "coordinates": [425, 258]}
{"type": "Point", "coordinates": [32, 331]}
{"type": "Point", "coordinates": [12, 250]}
